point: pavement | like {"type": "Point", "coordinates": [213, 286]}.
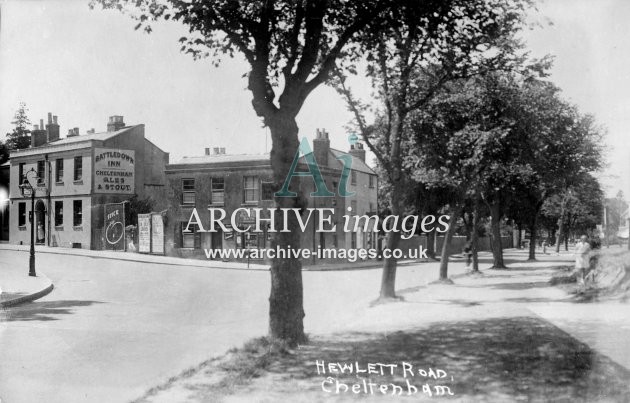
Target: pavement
{"type": "Point", "coordinates": [17, 287]}
{"type": "Point", "coordinates": [476, 320]}
{"type": "Point", "coordinates": [522, 290]}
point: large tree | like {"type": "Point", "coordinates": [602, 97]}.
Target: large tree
{"type": "Point", "coordinates": [409, 61]}
{"type": "Point", "coordinates": [291, 48]}
{"type": "Point", "coordinates": [20, 135]}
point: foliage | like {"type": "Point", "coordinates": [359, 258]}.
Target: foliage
{"type": "Point", "coordinates": [136, 206]}
{"type": "Point", "coordinates": [4, 152]}
{"type": "Point", "coordinates": [582, 205]}
{"type": "Point", "coordinates": [20, 136]}
{"type": "Point", "coordinates": [409, 61]}
{"type": "Point", "coordinates": [616, 208]}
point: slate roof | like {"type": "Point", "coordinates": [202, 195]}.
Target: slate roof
{"type": "Point", "coordinates": [357, 164]}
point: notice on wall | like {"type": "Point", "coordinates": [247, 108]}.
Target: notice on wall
{"type": "Point", "coordinates": [157, 234]}
{"type": "Point", "coordinates": [115, 226]}
{"type": "Point", "coordinates": [114, 171]}
{"type": "Point", "coordinates": [144, 233]}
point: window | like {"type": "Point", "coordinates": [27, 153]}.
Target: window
{"type": "Point", "coordinates": [77, 208]}
{"type": "Point", "coordinates": [188, 191]}
{"type": "Point", "coordinates": [250, 189]}
{"type": "Point", "coordinates": [59, 170]}
{"type": "Point", "coordinates": [190, 239]}
{"type": "Point", "coordinates": [267, 191]}
{"type": "Point", "coordinates": [41, 171]}
{"type": "Point", "coordinates": [78, 168]}
{"type": "Point", "coordinates": [21, 173]}
{"type": "Point", "coordinates": [217, 192]}
{"type": "Point", "coordinates": [353, 177]}
{"type": "Point", "coordinates": [58, 213]}
{"type": "Point", "coordinates": [21, 214]}
{"type": "Point", "coordinates": [372, 180]}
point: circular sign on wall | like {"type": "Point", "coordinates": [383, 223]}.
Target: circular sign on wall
{"type": "Point", "coordinates": [114, 232]}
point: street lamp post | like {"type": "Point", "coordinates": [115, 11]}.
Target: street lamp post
{"type": "Point", "coordinates": [25, 189]}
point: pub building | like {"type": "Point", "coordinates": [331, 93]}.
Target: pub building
{"type": "Point", "coordinates": [236, 181]}
{"type": "Point", "coordinates": [76, 176]}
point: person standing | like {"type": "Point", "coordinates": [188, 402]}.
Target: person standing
{"type": "Point", "coordinates": [582, 261]}
{"type": "Point", "coordinates": [468, 253]}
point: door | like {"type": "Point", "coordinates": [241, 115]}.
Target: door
{"type": "Point", "coordinates": [40, 222]}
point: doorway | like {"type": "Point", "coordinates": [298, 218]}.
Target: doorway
{"type": "Point", "coordinates": [40, 222]}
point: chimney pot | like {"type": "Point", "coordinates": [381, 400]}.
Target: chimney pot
{"type": "Point", "coordinates": [49, 117]}
{"type": "Point", "coordinates": [55, 119]}
{"type": "Point", "coordinates": [222, 150]}
{"type": "Point", "coordinates": [207, 151]}
{"type": "Point", "coordinates": [41, 123]}
{"type": "Point", "coordinates": [35, 127]}
{"type": "Point", "coordinates": [115, 123]}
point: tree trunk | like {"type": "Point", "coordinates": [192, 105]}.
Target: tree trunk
{"type": "Point", "coordinates": [388, 279]}
{"type": "Point", "coordinates": [497, 250]}
{"type": "Point", "coordinates": [286, 312]}
{"type": "Point", "coordinates": [431, 244]}
{"type": "Point", "coordinates": [474, 238]}
{"type": "Point", "coordinates": [560, 233]}
{"type": "Point", "coordinates": [532, 239]}
{"type": "Point", "coordinates": [518, 236]}
{"type": "Point", "coordinates": [447, 242]}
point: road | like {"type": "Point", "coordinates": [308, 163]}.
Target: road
{"type": "Point", "coordinates": [112, 329]}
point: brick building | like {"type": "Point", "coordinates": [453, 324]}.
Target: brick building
{"type": "Point", "coordinates": [76, 175]}
{"type": "Point", "coordinates": [232, 181]}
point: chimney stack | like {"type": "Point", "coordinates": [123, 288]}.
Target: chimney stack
{"type": "Point", "coordinates": [52, 128]}
{"type": "Point", "coordinates": [38, 135]}
{"type": "Point", "coordinates": [321, 147]}
{"type": "Point", "coordinates": [73, 132]}
{"type": "Point", "coordinates": [357, 151]}
{"type": "Point", "coordinates": [207, 151]}
{"type": "Point", "coordinates": [91, 131]}
{"type": "Point", "coordinates": [115, 123]}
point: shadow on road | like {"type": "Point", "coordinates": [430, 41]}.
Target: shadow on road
{"type": "Point", "coordinates": [498, 360]}
{"type": "Point", "coordinates": [43, 310]}
{"type": "Point", "coordinates": [510, 359]}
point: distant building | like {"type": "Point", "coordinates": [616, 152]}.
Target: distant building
{"type": "Point", "coordinates": [232, 181]}
{"type": "Point", "coordinates": [75, 176]}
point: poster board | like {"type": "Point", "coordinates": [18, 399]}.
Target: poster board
{"type": "Point", "coordinates": [114, 225]}
{"type": "Point", "coordinates": [144, 233]}
{"type": "Point", "coordinates": [157, 233]}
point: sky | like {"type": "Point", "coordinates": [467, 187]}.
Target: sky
{"type": "Point", "coordinates": [86, 65]}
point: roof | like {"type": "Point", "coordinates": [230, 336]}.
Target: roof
{"type": "Point", "coordinates": [72, 142]}
{"type": "Point", "coordinates": [357, 164]}
{"type": "Point", "coordinates": [102, 136]}
{"type": "Point", "coordinates": [221, 159]}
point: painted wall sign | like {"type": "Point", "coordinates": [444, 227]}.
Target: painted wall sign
{"type": "Point", "coordinates": [144, 233]}
{"type": "Point", "coordinates": [114, 171]}
{"type": "Point", "coordinates": [115, 226]}
{"type": "Point", "coordinates": [157, 234]}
